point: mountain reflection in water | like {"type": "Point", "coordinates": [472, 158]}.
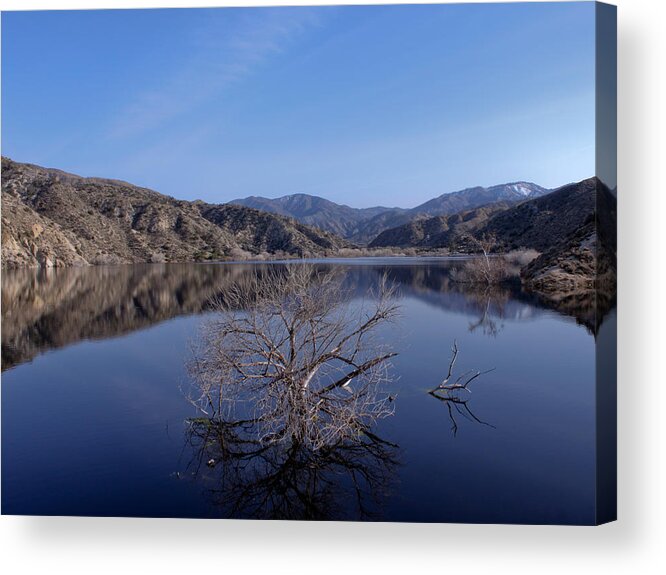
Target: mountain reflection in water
{"type": "Point", "coordinates": [44, 309]}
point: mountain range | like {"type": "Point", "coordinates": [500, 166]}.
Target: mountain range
{"type": "Point", "coordinates": [50, 217]}
{"type": "Point", "coordinates": [362, 225]}
{"type": "Point", "coordinates": [315, 211]}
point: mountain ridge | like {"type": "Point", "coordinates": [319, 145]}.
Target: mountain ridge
{"type": "Point", "coordinates": [362, 225]}
{"type": "Point", "coordinates": [534, 223]}
{"type": "Point", "coordinates": [325, 214]}
{"type": "Point", "coordinates": [53, 218]}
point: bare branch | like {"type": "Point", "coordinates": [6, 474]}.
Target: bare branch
{"type": "Point", "coordinates": [454, 355]}
{"type": "Point", "coordinates": [446, 392]}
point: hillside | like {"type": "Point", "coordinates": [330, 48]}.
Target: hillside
{"type": "Point", "coordinates": [51, 218]}
{"type": "Point", "coordinates": [438, 231]}
{"type": "Point", "coordinates": [478, 196]}
{"type": "Point", "coordinates": [258, 231]}
{"type": "Point", "coordinates": [369, 229]}
{"type": "Point", "coordinates": [582, 257]}
{"type": "Point", "coordinates": [543, 222]}
{"type": "Point", "coordinates": [538, 223]}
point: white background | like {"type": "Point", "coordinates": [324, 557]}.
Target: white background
{"type": "Point", "coordinates": [637, 542]}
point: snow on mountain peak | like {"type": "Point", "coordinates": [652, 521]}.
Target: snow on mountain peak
{"type": "Point", "coordinates": [522, 189]}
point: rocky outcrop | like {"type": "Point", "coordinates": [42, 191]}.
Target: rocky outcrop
{"type": "Point", "coordinates": [51, 218]}
{"type": "Point", "coordinates": [569, 266]}
{"type": "Point", "coordinates": [29, 240]}
{"type": "Point", "coordinates": [581, 256]}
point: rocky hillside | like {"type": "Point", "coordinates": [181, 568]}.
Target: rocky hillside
{"type": "Point", "coordinates": [539, 223]}
{"type": "Point", "coordinates": [259, 231]}
{"type": "Point", "coordinates": [582, 257]}
{"type": "Point", "coordinates": [362, 226]}
{"type": "Point", "coordinates": [51, 218]}
{"type": "Point", "coordinates": [438, 231]}
{"type": "Point", "coordinates": [367, 230]}
{"type": "Point", "coordinates": [543, 222]}
{"type": "Point", "coordinates": [446, 204]}
{"type": "Point", "coordinates": [28, 239]}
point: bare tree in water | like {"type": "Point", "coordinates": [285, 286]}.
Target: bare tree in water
{"type": "Point", "coordinates": [290, 358]}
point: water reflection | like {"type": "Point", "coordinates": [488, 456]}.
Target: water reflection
{"type": "Point", "coordinates": [492, 303]}
{"type": "Point", "coordinates": [589, 308]}
{"type": "Point", "coordinates": [247, 478]}
{"type": "Point", "coordinates": [50, 308]}
{"type": "Point", "coordinates": [458, 407]}
{"type": "Point", "coordinates": [44, 309]}
{"type": "Point", "coordinates": [537, 465]}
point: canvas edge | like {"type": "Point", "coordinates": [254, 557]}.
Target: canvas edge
{"type": "Point", "coordinates": [606, 343]}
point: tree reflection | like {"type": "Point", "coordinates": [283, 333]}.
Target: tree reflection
{"type": "Point", "coordinates": [248, 478]}
{"type": "Point", "coordinates": [491, 303]}
{"type": "Point", "coordinates": [458, 407]}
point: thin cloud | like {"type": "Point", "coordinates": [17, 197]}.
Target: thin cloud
{"type": "Point", "coordinates": [218, 59]}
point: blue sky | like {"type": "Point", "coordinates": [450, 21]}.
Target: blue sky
{"type": "Point", "coordinates": [369, 105]}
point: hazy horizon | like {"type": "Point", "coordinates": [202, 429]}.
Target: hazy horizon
{"type": "Point", "coordinates": [362, 105]}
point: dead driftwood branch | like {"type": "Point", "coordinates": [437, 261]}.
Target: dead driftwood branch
{"type": "Point", "coordinates": [447, 391]}
{"type": "Point", "coordinates": [460, 382]}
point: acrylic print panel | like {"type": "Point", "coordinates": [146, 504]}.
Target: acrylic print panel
{"type": "Point", "coordinates": [347, 263]}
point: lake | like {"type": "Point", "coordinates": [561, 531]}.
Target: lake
{"type": "Point", "coordinates": [94, 412]}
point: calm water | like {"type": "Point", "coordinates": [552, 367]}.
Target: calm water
{"type": "Point", "coordinates": [93, 412]}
